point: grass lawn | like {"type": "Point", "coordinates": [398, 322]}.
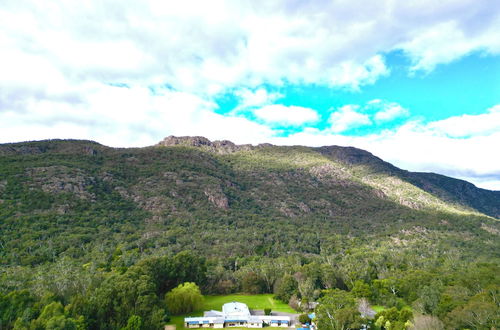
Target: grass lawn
{"type": "Point", "coordinates": [378, 308]}
{"type": "Point", "coordinates": [258, 301]}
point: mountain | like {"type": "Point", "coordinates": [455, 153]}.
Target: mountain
{"type": "Point", "coordinates": [80, 189]}
{"type": "Point", "coordinates": [103, 233]}
{"type": "Point", "coordinates": [365, 166]}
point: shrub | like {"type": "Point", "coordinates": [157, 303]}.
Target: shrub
{"type": "Point", "coordinates": [304, 318]}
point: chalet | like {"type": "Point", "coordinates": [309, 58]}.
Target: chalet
{"type": "Point", "coordinates": [236, 314]}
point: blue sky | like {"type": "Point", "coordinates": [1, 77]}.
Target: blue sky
{"type": "Point", "coordinates": [468, 85]}
{"type": "Point", "coordinates": [414, 82]}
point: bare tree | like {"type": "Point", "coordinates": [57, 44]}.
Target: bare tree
{"type": "Point", "coordinates": [365, 309]}
{"type": "Point", "coordinates": [427, 322]}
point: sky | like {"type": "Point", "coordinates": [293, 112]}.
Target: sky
{"type": "Point", "coordinates": [416, 83]}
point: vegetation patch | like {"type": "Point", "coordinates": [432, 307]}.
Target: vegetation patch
{"type": "Point", "coordinates": [95, 237]}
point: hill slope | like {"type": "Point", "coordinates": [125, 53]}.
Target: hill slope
{"type": "Point", "coordinates": [280, 198]}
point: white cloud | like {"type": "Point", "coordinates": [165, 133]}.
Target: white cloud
{"type": "Point", "coordinates": [58, 59]}
{"type": "Point", "coordinates": [120, 117]}
{"type": "Point", "coordinates": [286, 115]}
{"type": "Point", "coordinates": [210, 48]}
{"type": "Point", "coordinates": [347, 118]}
{"type": "Point", "coordinates": [469, 125]}
{"type": "Point", "coordinates": [259, 97]}
{"type": "Point", "coordinates": [447, 41]}
{"type": "Point", "coordinates": [423, 147]}
{"type": "Point", "coordinates": [352, 74]}
{"type": "Point", "coordinates": [387, 111]}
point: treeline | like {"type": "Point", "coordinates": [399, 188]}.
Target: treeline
{"type": "Point", "coordinates": [70, 295]}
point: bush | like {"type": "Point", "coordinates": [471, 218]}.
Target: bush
{"type": "Point", "coordinates": [134, 323]}
{"type": "Point", "coordinates": [267, 311]}
{"type": "Point", "coordinates": [304, 318]}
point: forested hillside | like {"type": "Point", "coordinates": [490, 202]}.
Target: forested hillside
{"type": "Point", "coordinates": [92, 235]}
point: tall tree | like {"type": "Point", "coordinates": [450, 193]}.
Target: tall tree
{"type": "Point", "coordinates": [184, 299]}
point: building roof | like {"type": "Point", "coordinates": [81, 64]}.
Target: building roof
{"type": "Point", "coordinates": [274, 317]}
{"type": "Point", "coordinates": [213, 313]}
{"type": "Point", "coordinates": [234, 312]}
{"type": "Point", "coordinates": [236, 309]}
{"type": "Point", "coordinates": [201, 320]}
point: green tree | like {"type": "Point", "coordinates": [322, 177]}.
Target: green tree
{"type": "Point", "coordinates": [134, 323]}
{"type": "Point", "coordinates": [286, 288]}
{"type": "Point", "coordinates": [54, 310]}
{"type": "Point", "coordinates": [119, 297]}
{"type": "Point", "coordinates": [14, 305]}
{"type": "Point", "coordinates": [53, 317]}
{"type": "Point", "coordinates": [476, 314]}
{"type": "Point", "coordinates": [429, 299]}
{"type": "Point", "coordinates": [361, 290]}
{"type": "Point", "coordinates": [252, 283]}
{"type": "Point", "coordinates": [184, 299]}
{"type": "Point", "coordinates": [393, 319]}
{"type": "Point", "coordinates": [337, 310]}
{"type": "Point", "coordinates": [61, 323]}
{"type": "Point", "coordinates": [304, 318]}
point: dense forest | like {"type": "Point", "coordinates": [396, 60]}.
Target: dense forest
{"type": "Point", "coordinates": [93, 237]}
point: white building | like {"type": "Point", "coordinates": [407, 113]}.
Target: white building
{"type": "Point", "coordinates": [236, 314]}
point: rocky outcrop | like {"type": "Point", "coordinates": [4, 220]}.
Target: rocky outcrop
{"type": "Point", "coordinates": [61, 179]}
{"type": "Point", "coordinates": [21, 150]}
{"type": "Point", "coordinates": [217, 197]}
{"type": "Point", "coordinates": [332, 173]}
{"type": "Point", "coordinates": [188, 141]}
{"type": "Point", "coordinates": [223, 146]}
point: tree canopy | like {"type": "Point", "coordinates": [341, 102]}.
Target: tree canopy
{"type": "Point", "coordinates": [184, 299]}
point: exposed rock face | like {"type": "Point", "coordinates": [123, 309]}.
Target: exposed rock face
{"type": "Point", "coordinates": [189, 141]}
{"type": "Point", "coordinates": [223, 146]}
{"type": "Point", "coordinates": [332, 173]}
{"type": "Point", "coordinates": [89, 151]}
{"type": "Point", "coordinates": [61, 179]}
{"type": "Point", "coordinates": [490, 229]}
{"type": "Point", "coordinates": [304, 207]}
{"type": "Point", "coordinates": [217, 197]}
{"type": "Point", "coordinates": [22, 150]}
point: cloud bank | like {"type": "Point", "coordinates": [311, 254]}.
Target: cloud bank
{"type": "Point", "coordinates": [129, 73]}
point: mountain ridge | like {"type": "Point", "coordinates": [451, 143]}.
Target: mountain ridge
{"type": "Point", "coordinates": [447, 189]}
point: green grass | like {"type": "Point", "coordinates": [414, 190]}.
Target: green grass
{"type": "Point", "coordinates": [259, 301]}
